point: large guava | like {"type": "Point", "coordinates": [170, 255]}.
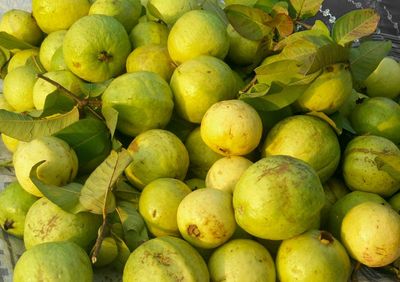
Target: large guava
{"type": "Point", "coordinates": [165, 259]}
{"type": "Point", "coordinates": [307, 138]}
{"type": "Point", "coordinates": [278, 197]}
{"type": "Point", "coordinates": [55, 261]}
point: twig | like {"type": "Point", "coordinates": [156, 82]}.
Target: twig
{"type": "Point", "coordinates": [99, 241]}
{"type": "Point", "coordinates": [307, 26]}
{"type": "Point", "coordinates": [250, 84]}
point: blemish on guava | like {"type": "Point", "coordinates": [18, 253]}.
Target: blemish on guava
{"type": "Point", "coordinates": [104, 56]}
{"type": "Point", "coordinates": [76, 64]}
{"type": "Point", "coordinates": [134, 147]}
{"type": "Point", "coordinates": [154, 213]}
{"type": "Point", "coordinates": [8, 224]}
{"type": "Point", "coordinates": [162, 259]}
{"type": "Point", "coordinates": [325, 238]}
{"type": "Point", "coordinates": [193, 231]}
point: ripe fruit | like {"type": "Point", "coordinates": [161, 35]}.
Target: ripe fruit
{"type": "Point", "coordinates": [149, 33]}
{"type": "Point", "coordinates": [169, 11]}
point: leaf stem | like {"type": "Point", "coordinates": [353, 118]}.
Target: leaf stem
{"type": "Point", "coordinates": [99, 240]}
{"type": "Point", "coordinates": [250, 84]}
{"type": "Point", "coordinates": [307, 26]}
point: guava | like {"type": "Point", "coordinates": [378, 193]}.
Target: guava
{"type": "Point", "coordinates": [240, 2]}
{"type": "Point", "coordinates": [15, 203]}
{"type": "Point", "coordinates": [10, 142]}
{"type": "Point", "coordinates": [156, 153]}
{"type": "Point", "coordinates": [158, 204]}
{"type": "Point", "coordinates": [205, 218]}
{"type": "Point", "coordinates": [53, 15]}
{"type": "Point", "coordinates": [149, 33]}
{"type": "Point", "coordinates": [278, 197]}
{"type": "Point", "coordinates": [18, 88]}
{"type": "Point", "coordinates": [169, 11]}
{"type": "Point", "coordinates": [46, 222]}
{"type": "Point", "coordinates": [371, 234]}
{"type": "Point", "coordinates": [307, 138]}
{"type": "Point", "coordinates": [383, 80]}
{"type": "Point", "coordinates": [42, 88]}
{"type": "Point", "coordinates": [195, 183]}
{"type": "Point", "coordinates": [225, 173]}
{"type": "Point", "coordinates": [329, 91]}
{"type": "Point", "coordinates": [394, 201]}
{"type": "Point", "coordinates": [49, 46]}
{"type": "Point", "coordinates": [108, 252]}
{"type": "Point", "coordinates": [20, 58]}
{"type": "Point", "coordinates": [55, 261]}
{"type": "Point", "coordinates": [313, 256]}
{"type": "Point", "coordinates": [242, 51]}
{"type": "Point", "coordinates": [377, 116]}
{"type": "Point", "coordinates": [241, 260]}
{"type": "Point", "coordinates": [143, 100]}
{"type": "Point", "coordinates": [197, 32]}
{"type": "Point", "coordinates": [60, 166]}
{"type": "Point", "coordinates": [350, 104]}
{"type": "Point", "coordinates": [344, 205]}
{"type": "Point", "coordinates": [165, 259]}
{"type": "Point", "coordinates": [231, 128]}
{"type": "Point", "coordinates": [96, 47]}
{"type": "Point", "coordinates": [21, 25]}
{"type": "Point", "coordinates": [127, 12]}
{"type": "Point", "coordinates": [153, 58]}
{"type": "Point", "coordinates": [362, 172]}
{"type": "Point", "coordinates": [200, 155]}
{"type": "Point", "coordinates": [199, 83]}
{"type": "Point", "coordinates": [4, 105]}
{"type": "Point", "coordinates": [57, 61]}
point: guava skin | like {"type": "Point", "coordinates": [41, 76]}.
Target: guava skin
{"type": "Point", "coordinates": [108, 252]}
{"type": "Point", "coordinates": [20, 58]}
{"type": "Point", "coordinates": [55, 261]}
{"type": "Point", "coordinates": [171, 10]}
{"type": "Point", "coordinates": [52, 42]}
{"type": "Point", "coordinates": [242, 51]}
{"type": "Point", "coordinates": [149, 33]}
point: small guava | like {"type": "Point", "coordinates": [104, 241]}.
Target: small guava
{"type": "Point", "coordinates": [55, 261]}
{"type": "Point", "coordinates": [383, 80]}
{"type": "Point", "coordinates": [195, 183]}
{"type": "Point", "coordinates": [46, 222]}
{"type": "Point", "coordinates": [15, 203]}
{"type": "Point", "coordinates": [197, 32]}
{"type": "Point", "coordinates": [60, 166]}
{"type": "Point", "coordinates": [241, 260]}
{"type": "Point", "coordinates": [142, 99]}
{"type": "Point", "coordinates": [158, 204]}
{"type": "Point", "coordinates": [362, 172]}
{"type": "Point", "coordinates": [156, 153]}
{"type": "Point", "coordinates": [278, 197]}
{"type": "Point", "coordinates": [165, 259]}
{"type": "Point", "coordinates": [225, 173]}
{"type": "Point", "coordinates": [153, 58]}
{"type": "Point", "coordinates": [200, 155]}
{"type": "Point", "coordinates": [149, 33]}
{"type": "Point", "coordinates": [20, 58]}
{"type": "Point", "coordinates": [307, 138]}
{"type": "Point", "coordinates": [329, 91]}
{"type": "Point", "coordinates": [96, 47]}
{"type": "Point", "coordinates": [108, 252]}
{"type": "Point", "coordinates": [313, 256]}
{"type": "Point", "coordinates": [379, 225]}
{"type": "Point", "coordinates": [169, 11]}
{"type": "Point", "coordinates": [231, 128]}
{"type": "Point", "coordinates": [199, 83]}
{"type": "Point", "coordinates": [394, 201]}
{"type": "Point", "coordinates": [242, 51]}
{"type": "Point", "coordinates": [58, 14]}
{"type": "Point", "coordinates": [21, 25]}
{"type": "Point", "coordinates": [377, 116]}
{"type": "Point", "coordinates": [205, 218]}
{"type": "Point", "coordinates": [49, 46]}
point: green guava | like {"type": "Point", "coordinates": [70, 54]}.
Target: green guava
{"type": "Point", "coordinates": [383, 81]}
{"type": "Point", "coordinates": [96, 47]}
{"type": "Point", "coordinates": [156, 153]}
{"type": "Point", "coordinates": [195, 183]}
{"type": "Point", "coordinates": [313, 256]}
{"type": "Point", "coordinates": [361, 172]}
{"type": "Point", "coordinates": [205, 218]}
{"type": "Point", "coordinates": [231, 128]}
{"type": "Point", "coordinates": [241, 260]}
{"type": "Point", "coordinates": [158, 204]}
{"type": "Point", "coordinates": [54, 261]}
{"type": "Point", "coordinates": [351, 103]}
{"type": "Point", "coordinates": [394, 201]}
{"type": "Point", "coordinates": [46, 222]}
{"type": "Point", "coordinates": [379, 225]}
{"type": "Point", "coordinates": [165, 259]}
{"type": "Point", "coordinates": [15, 203]}
{"type": "Point", "coordinates": [143, 100]}
{"type": "Point", "coordinates": [60, 166]}
{"type": "Point", "coordinates": [149, 33]}
{"type": "Point", "coordinates": [199, 83]}
{"type": "Point", "coordinates": [169, 11]}
{"type": "Point", "coordinates": [197, 32]}
{"type": "Point", "coordinates": [377, 116]}
{"type": "Point", "coordinates": [49, 46]}
{"type": "Point", "coordinates": [108, 252]}
{"type": "Point", "coordinates": [200, 155]}
{"type": "Point", "coordinates": [307, 138]}
{"type": "Point", "coordinates": [278, 197]}
{"type": "Point", "coordinates": [20, 58]}
{"type": "Point", "coordinates": [242, 51]}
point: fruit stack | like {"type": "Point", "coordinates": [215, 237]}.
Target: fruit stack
{"type": "Point", "coordinates": [199, 140]}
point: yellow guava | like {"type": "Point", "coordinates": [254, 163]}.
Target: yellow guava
{"type": "Point", "coordinates": [10, 143]}
{"type": "Point", "coordinates": [20, 58]}
{"type": "Point", "coordinates": [149, 33]}
{"type": "Point", "coordinates": [49, 46]}
{"type": "Point", "coordinates": [169, 11]}
{"type": "Point", "coordinates": [242, 51]}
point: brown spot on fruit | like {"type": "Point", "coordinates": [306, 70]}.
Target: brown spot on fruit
{"type": "Point", "coordinates": [193, 230]}
{"type": "Point", "coordinates": [134, 147]}
{"type": "Point", "coordinates": [8, 224]}
{"type": "Point", "coordinates": [76, 64]}
{"type": "Point", "coordinates": [326, 238]}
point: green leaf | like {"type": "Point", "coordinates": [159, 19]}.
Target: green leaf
{"type": "Point", "coordinates": [96, 193]}
{"type": "Point", "coordinates": [12, 43]}
{"type": "Point", "coordinates": [94, 89]}
{"type": "Point", "coordinates": [123, 254]}
{"type": "Point", "coordinates": [154, 11]}
{"type": "Point", "coordinates": [25, 128]}
{"type": "Point", "coordinates": [306, 8]}
{"type": "Point", "coordinates": [249, 22]}
{"type": "Point", "coordinates": [321, 27]}
{"type": "Point", "coordinates": [285, 72]}
{"type": "Point", "coordinates": [390, 164]}
{"type": "Point", "coordinates": [365, 59]}
{"type": "Point", "coordinates": [5, 55]}
{"type": "Point", "coordinates": [111, 116]}
{"type": "Point", "coordinates": [355, 25]}
{"type": "Point", "coordinates": [266, 5]}
{"type": "Point", "coordinates": [280, 7]}
{"type": "Point", "coordinates": [342, 122]}
{"type": "Point", "coordinates": [213, 7]}
{"type": "Point", "coordinates": [326, 118]}
{"type": "Point", "coordinates": [315, 38]}
{"type": "Point", "coordinates": [133, 224]}
{"type": "Point", "coordinates": [91, 141]}
{"type": "Point", "coordinates": [35, 62]}
{"type": "Point", "coordinates": [56, 103]}
{"type": "Point", "coordinates": [125, 191]}
{"type": "Point", "coordinates": [328, 55]}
